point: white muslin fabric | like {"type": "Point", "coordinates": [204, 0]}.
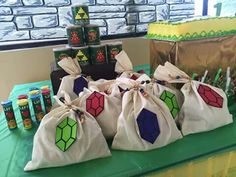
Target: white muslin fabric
{"type": "Point", "coordinates": [111, 109]}
{"type": "Point", "coordinates": [196, 115]}
{"type": "Point", "coordinates": [124, 66]}
{"type": "Point", "coordinates": [89, 143]}
{"type": "Point", "coordinates": [129, 132]}
{"type": "Point", "coordinates": [72, 67]}
{"type": "Point", "coordinates": [153, 87]}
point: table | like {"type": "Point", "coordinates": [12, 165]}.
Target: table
{"type": "Point", "coordinates": [16, 147]}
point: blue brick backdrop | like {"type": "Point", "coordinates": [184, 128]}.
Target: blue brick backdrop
{"type": "Point", "coordinates": [47, 19]}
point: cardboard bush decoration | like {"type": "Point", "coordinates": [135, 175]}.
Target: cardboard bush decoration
{"type": "Point", "coordinates": [74, 83]}
{"type": "Point", "coordinates": [70, 134]}
{"type": "Point", "coordinates": [204, 107]}
{"type": "Point", "coordinates": [145, 122]}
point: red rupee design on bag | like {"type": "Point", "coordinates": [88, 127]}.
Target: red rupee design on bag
{"type": "Point", "coordinates": [95, 104]}
{"type": "Point", "coordinates": [210, 97]}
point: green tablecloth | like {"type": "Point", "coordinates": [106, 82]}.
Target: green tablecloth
{"type": "Point", "coordinates": [16, 147]}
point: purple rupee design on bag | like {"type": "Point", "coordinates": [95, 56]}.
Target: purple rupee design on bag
{"type": "Point", "coordinates": [148, 125]}
{"type": "Point", "coordinates": [79, 85]}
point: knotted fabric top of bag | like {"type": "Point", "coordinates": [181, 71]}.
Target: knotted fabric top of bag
{"type": "Point", "coordinates": [145, 122]}
{"type": "Point", "coordinates": [204, 107]}
{"type": "Point", "coordinates": [107, 86]}
{"type": "Point", "coordinates": [172, 97]}
{"type": "Point", "coordinates": [67, 135]}
{"type": "Point", "coordinates": [124, 66]}
{"type": "Point", "coordinates": [74, 83]}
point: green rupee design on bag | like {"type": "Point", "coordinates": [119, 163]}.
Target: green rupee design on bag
{"type": "Point", "coordinates": [171, 102]}
{"type": "Point", "coordinates": [66, 133]}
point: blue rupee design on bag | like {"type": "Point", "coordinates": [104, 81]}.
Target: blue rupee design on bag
{"type": "Point", "coordinates": [79, 85]}
{"type": "Point", "coordinates": [148, 125]}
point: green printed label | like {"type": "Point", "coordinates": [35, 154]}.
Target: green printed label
{"type": "Point", "coordinates": [26, 117]}
{"type": "Point", "coordinates": [75, 36]}
{"type": "Point", "coordinates": [98, 55]}
{"type": "Point", "coordinates": [80, 15]}
{"type": "Point", "coordinates": [60, 54]}
{"type": "Point", "coordinates": [38, 110]}
{"type": "Point", "coordinates": [92, 35]}
{"type": "Point", "coordinates": [10, 117]}
{"type": "Point", "coordinates": [47, 102]}
{"type": "Point", "coordinates": [82, 55]}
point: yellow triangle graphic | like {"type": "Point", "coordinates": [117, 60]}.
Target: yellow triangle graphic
{"type": "Point", "coordinates": [85, 16]}
{"type": "Point", "coordinates": [81, 14]}
{"type": "Point", "coordinates": [81, 56]}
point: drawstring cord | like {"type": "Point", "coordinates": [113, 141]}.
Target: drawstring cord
{"type": "Point", "coordinates": [67, 103]}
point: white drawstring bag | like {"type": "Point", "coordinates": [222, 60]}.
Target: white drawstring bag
{"type": "Point", "coordinates": [124, 67]}
{"type": "Point", "coordinates": [104, 108]}
{"type": "Point", "coordinates": [113, 88]}
{"type": "Point", "coordinates": [204, 107]}
{"type": "Point", "coordinates": [145, 122]}
{"type": "Point", "coordinates": [172, 97]}
{"type": "Point", "coordinates": [74, 83]}
{"type": "Point", "coordinates": [67, 135]}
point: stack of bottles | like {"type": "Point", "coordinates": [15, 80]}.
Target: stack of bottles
{"type": "Point", "coordinates": [23, 102]}
{"type": "Point", "coordinates": [84, 41]}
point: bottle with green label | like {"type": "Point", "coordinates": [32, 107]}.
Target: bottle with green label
{"type": "Point", "coordinates": [47, 100]}
{"type": "Point", "coordinates": [38, 111]}
{"type": "Point", "coordinates": [25, 113]}
{"type": "Point", "coordinates": [9, 113]}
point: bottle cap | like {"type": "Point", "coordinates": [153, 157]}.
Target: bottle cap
{"type": "Point", "coordinates": [22, 102]}
{"type": "Point", "coordinates": [33, 88]}
{"type": "Point", "coordinates": [6, 103]}
{"type": "Point", "coordinates": [45, 91]}
{"type": "Point", "coordinates": [35, 96]}
{"type": "Point", "coordinates": [45, 87]}
{"type": "Point", "coordinates": [34, 92]}
{"type": "Point", "coordinates": [22, 97]}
